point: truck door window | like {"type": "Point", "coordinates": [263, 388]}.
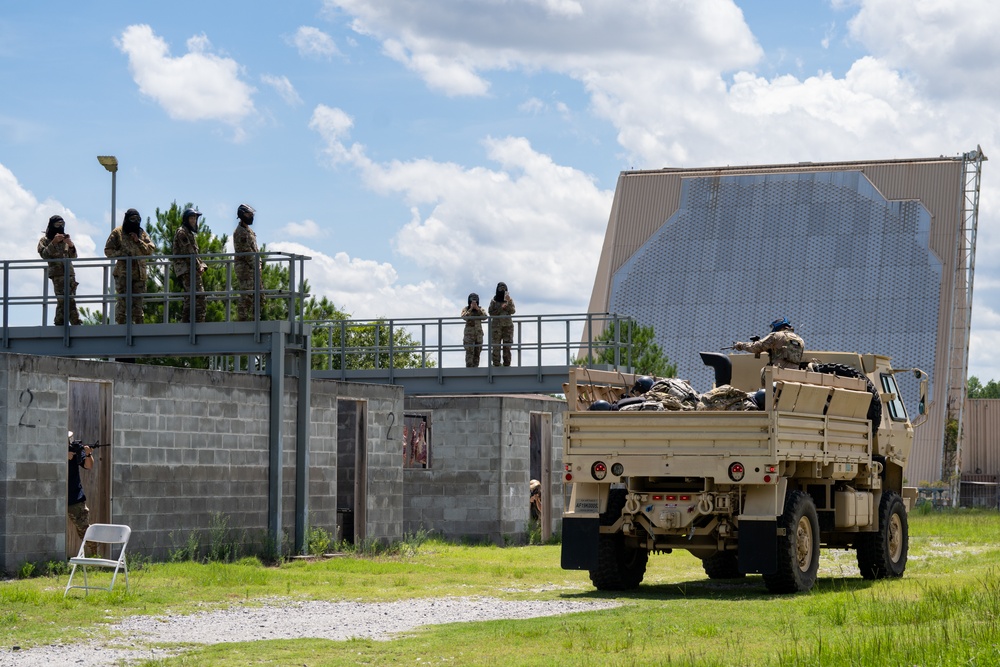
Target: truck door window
{"type": "Point", "coordinates": [896, 410]}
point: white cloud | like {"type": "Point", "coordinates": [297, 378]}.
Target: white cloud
{"type": "Point", "coordinates": [951, 46]}
{"type": "Point", "coordinates": [24, 222]}
{"type": "Point", "coordinates": [367, 289]}
{"type": "Point", "coordinates": [313, 42]}
{"type": "Point", "coordinates": [450, 43]}
{"type": "Point", "coordinates": [530, 222]}
{"type": "Point", "coordinates": [305, 229]}
{"type": "Point", "coordinates": [283, 87]}
{"type": "Point", "coordinates": [196, 86]}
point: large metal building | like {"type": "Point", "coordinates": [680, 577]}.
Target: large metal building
{"type": "Point", "coordinates": [872, 256]}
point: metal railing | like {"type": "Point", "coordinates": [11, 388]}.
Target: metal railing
{"type": "Point", "coordinates": [437, 342]}
{"type": "Point", "coordinates": [28, 296]}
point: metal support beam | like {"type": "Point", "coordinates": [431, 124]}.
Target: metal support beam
{"type": "Point", "coordinates": [302, 443]}
{"type": "Point", "coordinates": [276, 370]}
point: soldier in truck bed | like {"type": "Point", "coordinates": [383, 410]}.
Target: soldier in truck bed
{"type": "Point", "coordinates": [783, 346]}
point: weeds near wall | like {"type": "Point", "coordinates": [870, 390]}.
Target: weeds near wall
{"type": "Point", "coordinates": [318, 541]}
{"type": "Point", "coordinates": [225, 545]}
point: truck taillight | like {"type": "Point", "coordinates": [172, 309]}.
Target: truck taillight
{"type": "Point", "coordinates": [599, 470]}
{"type": "Point", "coordinates": [770, 468]}
{"type": "Point", "coordinates": [736, 471]}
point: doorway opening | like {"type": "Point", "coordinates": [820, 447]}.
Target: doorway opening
{"type": "Point", "coordinates": [540, 465]}
{"type": "Point", "coordinates": [89, 419]}
{"type": "Point", "coordinates": [352, 467]}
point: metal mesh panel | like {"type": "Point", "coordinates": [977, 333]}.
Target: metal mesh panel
{"type": "Point", "coordinates": [851, 270]}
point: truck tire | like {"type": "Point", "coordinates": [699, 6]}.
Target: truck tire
{"type": "Point", "coordinates": [619, 567]}
{"type": "Point", "coordinates": [883, 554]}
{"type": "Point", "coordinates": [723, 565]}
{"type": "Point", "coordinates": [842, 370]}
{"type": "Point", "coordinates": [798, 548]}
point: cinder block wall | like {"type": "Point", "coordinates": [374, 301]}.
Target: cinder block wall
{"type": "Point", "coordinates": [477, 484]}
{"type": "Point", "coordinates": [187, 444]}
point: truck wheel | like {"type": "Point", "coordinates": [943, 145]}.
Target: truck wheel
{"type": "Point", "coordinates": [845, 371]}
{"type": "Point", "coordinates": [883, 554]}
{"type": "Point", "coordinates": [798, 548]}
{"type": "Point", "coordinates": [619, 567]}
{"type": "Point", "coordinates": [723, 565]}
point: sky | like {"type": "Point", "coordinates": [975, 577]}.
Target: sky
{"type": "Point", "coordinates": [419, 150]}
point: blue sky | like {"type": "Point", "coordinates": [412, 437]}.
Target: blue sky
{"type": "Point", "coordinates": [422, 149]}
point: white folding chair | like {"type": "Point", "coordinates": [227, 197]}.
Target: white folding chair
{"type": "Point", "coordinates": [101, 533]}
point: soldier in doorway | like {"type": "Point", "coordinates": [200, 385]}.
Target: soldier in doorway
{"type": "Point", "coordinates": [56, 244]}
{"type": "Point", "coordinates": [80, 456]}
{"type": "Point", "coordinates": [535, 499]}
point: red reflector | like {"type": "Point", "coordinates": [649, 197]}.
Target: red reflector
{"type": "Point", "coordinates": [767, 479]}
{"type": "Point", "coordinates": [657, 497]}
{"type": "Point", "coordinates": [671, 497]}
{"type": "Point", "coordinates": [685, 497]}
{"type": "Point", "coordinates": [569, 476]}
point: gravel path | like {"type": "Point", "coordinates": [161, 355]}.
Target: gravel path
{"type": "Point", "coordinates": [282, 620]}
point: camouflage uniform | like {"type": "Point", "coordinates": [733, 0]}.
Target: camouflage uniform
{"type": "Point", "coordinates": [186, 245]}
{"type": "Point", "coordinates": [54, 250]}
{"type": "Point", "coordinates": [247, 272]}
{"type": "Point", "coordinates": [501, 326]}
{"type": "Point", "coordinates": [76, 500]}
{"type": "Point", "coordinates": [120, 244]}
{"type": "Point", "coordinates": [472, 339]}
{"type": "Point", "coordinates": [784, 348]}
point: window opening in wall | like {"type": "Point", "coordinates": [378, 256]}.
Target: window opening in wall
{"type": "Point", "coordinates": [417, 440]}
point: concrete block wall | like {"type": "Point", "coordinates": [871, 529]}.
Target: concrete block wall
{"type": "Point", "coordinates": [477, 484]}
{"type": "Point", "coordinates": [186, 444]}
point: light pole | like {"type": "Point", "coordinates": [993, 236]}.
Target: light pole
{"type": "Point", "coordinates": [110, 162]}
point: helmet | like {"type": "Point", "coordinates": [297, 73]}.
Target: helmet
{"type": "Point", "coordinates": [600, 405]}
{"type": "Point", "coordinates": [245, 213]}
{"type": "Point", "coordinates": [473, 297]}
{"type": "Point", "coordinates": [642, 385]}
{"type": "Point", "coordinates": [778, 325]}
{"type": "Point", "coordinates": [188, 212]}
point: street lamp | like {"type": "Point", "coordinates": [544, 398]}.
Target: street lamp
{"type": "Point", "coordinates": [110, 162]}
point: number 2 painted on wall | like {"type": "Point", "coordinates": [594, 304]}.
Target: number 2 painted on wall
{"type": "Point", "coordinates": [392, 422]}
{"type": "Point", "coordinates": [24, 413]}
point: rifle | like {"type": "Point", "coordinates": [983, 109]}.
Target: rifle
{"type": "Point", "coordinates": [76, 446]}
{"type": "Point", "coordinates": [753, 339]}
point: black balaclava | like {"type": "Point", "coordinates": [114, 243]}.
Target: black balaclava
{"type": "Point", "coordinates": [132, 222]}
{"type": "Point", "coordinates": [56, 226]}
{"type": "Point", "coordinates": [501, 291]}
{"type": "Point", "coordinates": [473, 297]}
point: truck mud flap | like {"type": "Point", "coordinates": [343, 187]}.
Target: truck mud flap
{"type": "Point", "coordinates": [579, 542]}
{"type": "Point", "coordinates": [758, 547]}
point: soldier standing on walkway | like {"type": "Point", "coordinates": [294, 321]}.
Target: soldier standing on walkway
{"type": "Point", "coordinates": [501, 326]}
{"type": "Point", "coordinates": [472, 339]}
{"type": "Point", "coordinates": [247, 266]}
{"type": "Point", "coordinates": [186, 262]}
{"type": "Point", "coordinates": [129, 240]}
{"type": "Point", "coordinates": [56, 244]}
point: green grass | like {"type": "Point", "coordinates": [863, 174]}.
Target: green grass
{"type": "Point", "coordinates": [945, 611]}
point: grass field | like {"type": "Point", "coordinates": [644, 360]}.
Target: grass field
{"type": "Point", "coordinates": [945, 611]}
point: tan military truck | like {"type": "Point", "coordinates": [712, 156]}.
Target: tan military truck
{"type": "Point", "coordinates": [816, 462]}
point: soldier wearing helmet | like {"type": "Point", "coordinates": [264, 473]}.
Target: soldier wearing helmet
{"type": "Point", "coordinates": [783, 346]}
{"type": "Point", "coordinates": [56, 245]}
{"type": "Point", "coordinates": [130, 241]}
{"type": "Point", "coordinates": [247, 266]}
{"type": "Point", "coordinates": [472, 338]}
{"type": "Point", "coordinates": [501, 326]}
{"type": "Point", "coordinates": [187, 263]}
